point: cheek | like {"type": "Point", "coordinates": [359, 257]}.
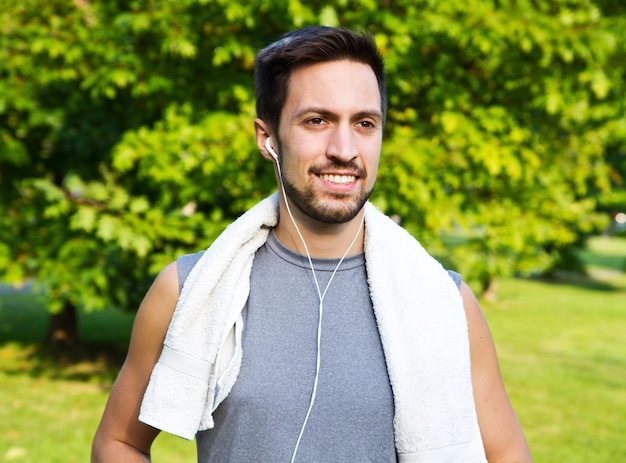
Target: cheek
{"type": "Point", "coordinates": [372, 159]}
{"type": "Point", "coordinates": [372, 174]}
{"type": "Point", "coordinates": [294, 165]}
{"type": "Point", "coordinates": [301, 155]}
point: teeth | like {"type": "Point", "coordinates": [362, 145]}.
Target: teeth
{"type": "Point", "coordinates": [343, 179]}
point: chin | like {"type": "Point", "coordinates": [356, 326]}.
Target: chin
{"type": "Point", "coordinates": [334, 213]}
{"type": "Point", "coordinates": [329, 208]}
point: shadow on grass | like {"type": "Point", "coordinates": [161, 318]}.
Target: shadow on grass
{"type": "Point", "coordinates": [87, 362]}
{"type": "Point", "coordinates": [585, 281]}
{"type": "Point", "coordinates": [580, 281]}
{"type": "Point", "coordinates": [97, 357]}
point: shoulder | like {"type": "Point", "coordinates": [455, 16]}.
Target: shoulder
{"type": "Point", "coordinates": [501, 432]}
{"type": "Point", "coordinates": [156, 309]}
{"type": "Point", "coordinates": [476, 321]}
{"type": "Point", "coordinates": [120, 431]}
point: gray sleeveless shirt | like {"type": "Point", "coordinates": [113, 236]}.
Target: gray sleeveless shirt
{"type": "Point", "coordinates": [260, 420]}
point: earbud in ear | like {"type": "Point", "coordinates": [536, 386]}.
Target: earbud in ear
{"type": "Point", "coordinates": [268, 146]}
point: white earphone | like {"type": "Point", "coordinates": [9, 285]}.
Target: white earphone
{"type": "Point", "coordinates": [321, 295]}
{"type": "Point", "coordinates": [269, 148]}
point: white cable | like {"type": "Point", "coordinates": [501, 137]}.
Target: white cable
{"type": "Point", "coordinates": [321, 306]}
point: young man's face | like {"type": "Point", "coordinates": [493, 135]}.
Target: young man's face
{"type": "Point", "coordinates": [330, 139]}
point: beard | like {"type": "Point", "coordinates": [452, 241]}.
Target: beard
{"type": "Point", "coordinates": [327, 207]}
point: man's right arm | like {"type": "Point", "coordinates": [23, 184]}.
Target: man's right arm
{"type": "Point", "coordinates": [121, 437]}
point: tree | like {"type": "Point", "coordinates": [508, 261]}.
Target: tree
{"type": "Point", "coordinates": [75, 79]}
{"type": "Point", "coordinates": [126, 131]}
{"type": "Point", "coordinates": [511, 106]}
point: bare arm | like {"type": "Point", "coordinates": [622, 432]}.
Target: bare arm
{"type": "Point", "coordinates": [501, 432]}
{"type": "Point", "coordinates": [121, 437]}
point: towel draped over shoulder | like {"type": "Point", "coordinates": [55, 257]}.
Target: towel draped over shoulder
{"type": "Point", "coordinates": [421, 321]}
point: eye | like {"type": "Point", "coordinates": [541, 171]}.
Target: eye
{"type": "Point", "coordinates": [315, 121]}
{"type": "Point", "coordinates": [366, 124]}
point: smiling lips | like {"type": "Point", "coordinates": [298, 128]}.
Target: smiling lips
{"type": "Point", "coordinates": [339, 179]}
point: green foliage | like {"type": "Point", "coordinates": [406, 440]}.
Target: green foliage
{"type": "Point", "coordinates": [511, 108]}
{"type": "Point", "coordinates": [126, 132]}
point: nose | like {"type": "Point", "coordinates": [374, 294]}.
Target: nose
{"type": "Point", "coordinates": [342, 145]}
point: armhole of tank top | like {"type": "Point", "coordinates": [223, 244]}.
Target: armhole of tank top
{"type": "Point", "coordinates": [184, 264]}
{"type": "Point", "coordinates": [456, 277]}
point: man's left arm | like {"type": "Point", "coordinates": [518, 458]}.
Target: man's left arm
{"type": "Point", "coordinates": [501, 432]}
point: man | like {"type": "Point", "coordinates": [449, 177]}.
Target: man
{"type": "Point", "coordinates": [314, 328]}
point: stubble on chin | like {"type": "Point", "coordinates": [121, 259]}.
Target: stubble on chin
{"type": "Point", "coordinates": [330, 208]}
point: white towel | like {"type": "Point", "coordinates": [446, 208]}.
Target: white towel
{"type": "Point", "coordinates": [420, 317]}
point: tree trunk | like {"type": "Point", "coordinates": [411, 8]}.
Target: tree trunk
{"type": "Point", "coordinates": [63, 326]}
{"type": "Point", "coordinates": [489, 288]}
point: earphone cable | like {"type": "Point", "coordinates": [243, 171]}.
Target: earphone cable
{"type": "Point", "coordinates": [321, 305]}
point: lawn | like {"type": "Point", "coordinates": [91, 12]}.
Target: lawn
{"type": "Point", "coordinates": [560, 344]}
{"type": "Point", "coordinates": [51, 400]}
{"type": "Point", "coordinates": [563, 357]}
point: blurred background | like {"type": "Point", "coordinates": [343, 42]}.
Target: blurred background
{"type": "Point", "coordinates": [126, 139]}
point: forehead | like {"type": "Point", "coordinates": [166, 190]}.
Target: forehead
{"type": "Point", "coordinates": [336, 86]}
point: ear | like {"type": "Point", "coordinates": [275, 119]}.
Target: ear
{"type": "Point", "coordinates": [262, 133]}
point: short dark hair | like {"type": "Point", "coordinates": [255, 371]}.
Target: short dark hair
{"type": "Point", "coordinates": [310, 45]}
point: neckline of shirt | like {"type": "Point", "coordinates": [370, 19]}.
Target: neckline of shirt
{"type": "Point", "coordinates": [321, 264]}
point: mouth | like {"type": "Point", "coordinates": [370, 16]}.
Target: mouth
{"type": "Point", "coordinates": [338, 179]}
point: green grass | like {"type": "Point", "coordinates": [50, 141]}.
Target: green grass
{"type": "Point", "coordinates": [51, 400]}
{"type": "Point", "coordinates": [606, 253]}
{"type": "Point", "coordinates": [563, 357]}
{"type": "Point", "coordinates": [560, 345]}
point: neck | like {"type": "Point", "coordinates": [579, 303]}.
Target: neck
{"type": "Point", "coordinates": [327, 241]}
